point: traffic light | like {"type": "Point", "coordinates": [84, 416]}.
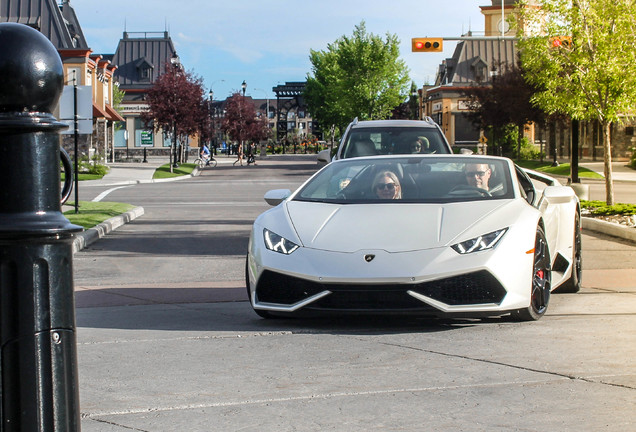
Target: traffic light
{"type": "Point", "coordinates": [426, 44]}
{"type": "Point", "coordinates": [561, 42]}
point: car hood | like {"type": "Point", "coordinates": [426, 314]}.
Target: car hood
{"type": "Point", "coordinates": [390, 227]}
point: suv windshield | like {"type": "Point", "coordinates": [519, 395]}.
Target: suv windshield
{"type": "Point", "coordinates": [371, 141]}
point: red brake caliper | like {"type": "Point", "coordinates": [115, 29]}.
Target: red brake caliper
{"type": "Point", "coordinates": [540, 274]}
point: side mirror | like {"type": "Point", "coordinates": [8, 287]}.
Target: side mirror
{"type": "Point", "coordinates": [559, 194]}
{"type": "Point", "coordinates": [324, 157]}
{"type": "Point", "coordinates": [276, 196]}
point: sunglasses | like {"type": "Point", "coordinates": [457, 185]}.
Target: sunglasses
{"type": "Point", "coordinates": [382, 186]}
{"type": "Point", "coordinates": [475, 173]}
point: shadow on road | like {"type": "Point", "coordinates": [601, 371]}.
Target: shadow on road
{"type": "Point", "coordinates": [164, 310]}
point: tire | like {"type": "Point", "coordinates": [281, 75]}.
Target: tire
{"type": "Point", "coordinates": [573, 285]}
{"type": "Point", "coordinates": [212, 162]}
{"type": "Point", "coordinates": [541, 281]}
{"type": "Point", "coordinates": [260, 313]}
{"type": "Point", "coordinates": [199, 162]}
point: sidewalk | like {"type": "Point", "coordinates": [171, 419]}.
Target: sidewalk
{"type": "Point", "coordinates": [620, 170]}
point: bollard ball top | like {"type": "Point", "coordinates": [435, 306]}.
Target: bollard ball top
{"type": "Point", "coordinates": [31, 71]}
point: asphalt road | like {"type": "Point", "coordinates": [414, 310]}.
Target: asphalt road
{"type": "Point", "coordinates": [168, 342]}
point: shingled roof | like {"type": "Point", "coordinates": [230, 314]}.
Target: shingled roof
{"type": "Point", "coordinates": [58, 23]}
{"type": "Point", "coordinates": [141, 58]}
{"type": "Point", "coordinates": [474, 60]}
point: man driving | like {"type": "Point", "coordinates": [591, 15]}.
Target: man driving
{"type": "Point", "coordinates": [478, 175]}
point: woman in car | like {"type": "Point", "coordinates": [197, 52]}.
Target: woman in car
{"type": "Point", "coordinates": [387, 186]}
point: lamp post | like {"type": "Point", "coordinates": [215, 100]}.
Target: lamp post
{"type": "Point", "coordinates": [176, 63]}
{"type": "Point", "coordinates": [212, 122]}
{"type": "Point", "coordinates": [244, 86]}
{"type": "Point", "coordinates": [415, 104]}
{"type": "Point", "coordinates": [215, 115]}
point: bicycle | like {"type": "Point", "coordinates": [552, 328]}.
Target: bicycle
{"type": "Point", "coordinates": [204, 161]}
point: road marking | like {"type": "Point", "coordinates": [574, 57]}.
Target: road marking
{"type": "Point", "coordinates": [314, 396]}
{"type": "Point", "coordinates": [102, 195]}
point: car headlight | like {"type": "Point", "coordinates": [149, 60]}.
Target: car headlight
{"type": "Point", "coordinates": [279, 244]}
{"type": "Point", "coordinates": [483, 242]}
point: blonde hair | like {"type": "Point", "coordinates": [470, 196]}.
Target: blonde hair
{"type": "Point", "coordinates": [392, 176]}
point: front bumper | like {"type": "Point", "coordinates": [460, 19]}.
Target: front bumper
{"type": "Point", "coordinates": [435, 281]}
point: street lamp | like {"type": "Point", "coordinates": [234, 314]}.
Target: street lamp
{"type": "Point", "coordinates": [176, 63]}
{"type": "Point", "coordinates": [174, 60]}
{"type": "Point", "coordinates": [244, 86]}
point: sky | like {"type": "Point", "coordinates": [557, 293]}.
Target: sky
{"type": "Point", "coordinates": [267, 43]}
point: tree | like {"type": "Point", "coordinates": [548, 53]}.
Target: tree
{"type": "Point", "coordinates": [357, 76]}
{"type": "Point", "coordinates": [175, 104]}
{"type": "Point", "coordinates": [507, 101]}
{"type": "Point", "coordinates": [241, 122]}
{"type": "Point", "coordinates": [591, 78]}
{"type": "Point", "coordinates": [408, 110]}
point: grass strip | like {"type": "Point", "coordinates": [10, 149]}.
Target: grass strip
{"type": "Point", "coordinates": [93, 213]}
{"type": "Point", "coordinates": [164, 171]}
{"type": "Point", "coordinates": [561, 170]}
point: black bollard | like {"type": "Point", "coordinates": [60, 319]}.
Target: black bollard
{"type": "Point", "coordinates": [38, 357]}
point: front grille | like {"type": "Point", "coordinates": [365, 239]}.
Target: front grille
{"type": "Point", "coordinates": [473, 288]}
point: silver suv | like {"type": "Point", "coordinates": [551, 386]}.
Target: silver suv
{"type": "Point", "coordinates": [379, 137]}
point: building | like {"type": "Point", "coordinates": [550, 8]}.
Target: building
{"type": "Point", "coordinates": [477, 59]}
{"type": "Point", "coordinates": [92, 72]}
{"type": "Point", "coordinates": [141, 57]}
{"type": "Point", "coordinates": [287, 115]}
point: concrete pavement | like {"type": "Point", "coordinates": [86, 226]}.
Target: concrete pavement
{"type": "Point", "coordinates": [168, 356]}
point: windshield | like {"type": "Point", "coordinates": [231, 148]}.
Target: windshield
{"type": "Point", "coordinates": [410, 179]}
{"type": "Point", "coordinates": [393, 140]}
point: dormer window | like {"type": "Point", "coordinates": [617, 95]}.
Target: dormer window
{"type": "Point", "coordinates": [144, 69]}
{"type": "Point", "coordinates": [480, 70]}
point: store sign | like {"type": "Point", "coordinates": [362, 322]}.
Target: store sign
{"type": "Point", "coordinates": [146, 138]}
{"type": "Point", "coordinates": [132, 108]}
{"type": "Point", "coordinates": [437, 106]}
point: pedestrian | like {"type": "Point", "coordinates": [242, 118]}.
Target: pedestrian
{"type": "Point", "coordinates": [239, 155]}
{"type": "Point", "coordinates": [250, 156]}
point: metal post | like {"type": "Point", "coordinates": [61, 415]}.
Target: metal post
{"type": "Point", "coordinates": [38, 376]}
{"type": "Point", "coordinates": [75, 141]}
{"type": "Point", "coordinates": [574, 166]}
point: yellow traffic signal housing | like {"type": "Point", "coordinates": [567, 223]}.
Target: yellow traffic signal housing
{"type": "Point", "coordinates": [427, 44]}
{"type": "Point", "coordinates": [561, 42]}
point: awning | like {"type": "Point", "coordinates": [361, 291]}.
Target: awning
{"type": "Point", "coordinates": [113, 115]}
{"type": "Point", "coordinates": [98, 112]}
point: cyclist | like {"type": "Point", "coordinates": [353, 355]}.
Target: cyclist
{"type": "Point", "coordinates": [205, 154]}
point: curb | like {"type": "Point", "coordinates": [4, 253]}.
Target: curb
{"type": "Point", "coordinates": [91, 235]}
{"type": "Point", "coordinates": [609, 228]}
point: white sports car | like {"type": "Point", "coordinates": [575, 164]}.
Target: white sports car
{"type": "Point", "coordinates": [427, 234]}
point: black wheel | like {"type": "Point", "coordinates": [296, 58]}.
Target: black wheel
{"type": "Point", "coordinates": [573, 285]}
{"type": "Point", "coordinates": [260, 313]}
{"type": "Point", "coordinates": [541, 281]}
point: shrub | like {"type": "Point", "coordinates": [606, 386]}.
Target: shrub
{"type": "Point", "coordinates": [601, 208]}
